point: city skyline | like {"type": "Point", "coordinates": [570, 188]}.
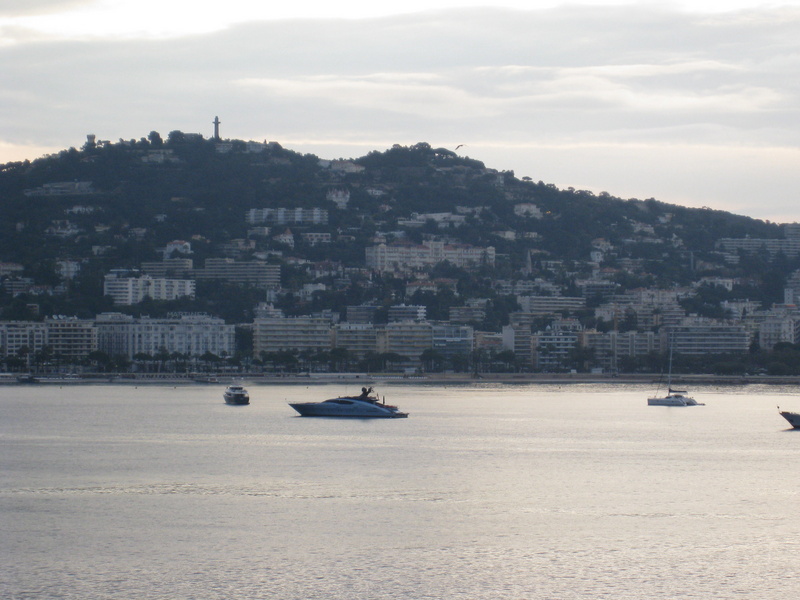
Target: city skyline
{"type": "Point", "coordinates": [692, 104]}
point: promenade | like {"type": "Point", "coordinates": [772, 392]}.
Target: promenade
{"type": "Point", "coordinates": [394, 378]}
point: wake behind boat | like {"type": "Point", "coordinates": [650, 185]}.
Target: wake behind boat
{"type": "Point", "coordinates": [236, 394]}
{"type": "Point", "coordinates": [365, 406]}
{"type": "Point", "coordinates": [793, 418]}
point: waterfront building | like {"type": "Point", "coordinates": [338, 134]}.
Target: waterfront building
{"type": "Point", "coordinates": [71, 338]}
{"type": "Point", "coordinates": [553, 350]}
{"type": "Point", "coordinates": [193, 334]}
{"type": "Point", "coordinates": [294, 333]}
{"type": "Point", "coordinates": [453, 340]}
{"type": "Point", "coordinates": [611, 346]}
{"type": "Point", "coordinates": [705, 337]}
{"type": "Point", "coordinates": [407, 338]}
{"type": "Point", "coordinates": [358, 338]}
{"type": "Point", "coordinates": [518, 338]}
{"type": "Point", "coordinates": [19, 338]}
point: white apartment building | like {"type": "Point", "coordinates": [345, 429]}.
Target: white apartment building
{"type": "Point", "coordinates": [132, 290]}
{"type": "Point", "coordinates": [408, 338]}
{"type": "Point", "coordinates": [544, 305]}
{"type": "Point", "coordinates": [70, 337]}
{"type": "Point", "coordinates": [453, 340]}
{"type": "Point", "coordinates": [403, 312]}
{"type": "Point", "coordinates": [402, 257]}
{"type": "Point", "coordinates": [19, 337]}
{"type": "Point", "coordinates": [287, 216]}
{"type": "Point", "coordinates": [518, 338]}
{"type": "Point", "coordinates": [705, 337]}
{"type": "Point", "coordinates": [776, 329]}
{"type": "Point", "coordinates": [255, 272]}
{"type": "Point", "coordinates": [340, 197]}
{"type": "Point", "coordinates": [294, 333]}
{"type": "Point", "coordinates": [192, 334]}
{"type": "Point", "coordinates": [314, 238]}
{"type": "Point", "coordinates": [358, 338]}
{"type": "Point", "coordinates": [552, 350]}
{"type": "Point", "coordinates": [609, 347]}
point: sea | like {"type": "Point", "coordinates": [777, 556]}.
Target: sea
{"type": "Point", "coordinates": [487, 491]}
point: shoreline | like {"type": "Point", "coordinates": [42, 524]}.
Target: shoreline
{"type": "Point", "coordinates": [392, 378]}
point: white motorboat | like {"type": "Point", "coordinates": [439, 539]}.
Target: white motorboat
{"type": "Point", "coordinates": [236, 394]}
{"type": "Point", "coordinates": [793, 418]}
{"type": "Point", "coordinates": [365, 406]}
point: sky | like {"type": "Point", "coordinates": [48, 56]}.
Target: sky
{"type": "Point", "coordinates": [693, 103]}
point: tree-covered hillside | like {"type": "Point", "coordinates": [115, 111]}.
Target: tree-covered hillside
{"type": "Point", "coordinates": [116, 205]}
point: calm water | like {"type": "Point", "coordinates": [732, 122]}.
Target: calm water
{"type": "Point", "coordinates": [506, 492]}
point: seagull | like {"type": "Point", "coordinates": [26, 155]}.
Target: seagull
{"type": "Point", "coordinates": [459, 146]}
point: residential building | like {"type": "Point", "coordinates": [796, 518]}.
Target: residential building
{"type": "Point", "coordinates": [287, 216]}
{"type": "Point", "coordinates": [294, 333]}
{"type": "Point", "coordinates": [611, 346]}
{"type": "Point", "coordinates": [553, 349]}
{"type": "Point", "coordinates": [71, 338]}
{"type": "Point", "coordinates": [402, 312]}
{"type": "Point", "coordinates": [132, 290]}
{"type": "Point", "coordinates": [364, 313]}
{"type": "Point", "coordinates": [705, 337]}
{"type": "Point", "coordinates": [548, 305]}
{"type": "Point", "coordinates": [18, 338]}
{"type": "Point", "coordinates": [453, 340]}
{"type": "Point", "coordinates": [170, 267]}
{"type": "Point", "coordinates": [255, 272]}
{"type": "Point", "coordinates": [358, 338]}
{"type": "Point", "coordinates": [193, 334]}
{"type": "Point", "coordinates": [408, 338]}
{"type": "Point", "coordinates": [404, 257]}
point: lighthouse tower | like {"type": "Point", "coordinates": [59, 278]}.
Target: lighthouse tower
{"type": "Point", "coordinates": [216, 127]}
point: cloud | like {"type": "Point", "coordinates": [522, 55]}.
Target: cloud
{"type": "Point", "coordinates": [580, 83]}
{"type": "Point", "coordinates": [19, 8]}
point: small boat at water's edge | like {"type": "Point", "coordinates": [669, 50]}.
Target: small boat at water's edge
{"type": "Point", "coordinates": [365, 406]}
{"type": "Point", "coordinates": [236, 394]}
{"type": "Point", "coordinates": [793, 418]}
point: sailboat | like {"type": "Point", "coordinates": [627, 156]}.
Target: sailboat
{"type": "Point", "coordinates": [673, 397]}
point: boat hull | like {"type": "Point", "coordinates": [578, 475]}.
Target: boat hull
{"type": "Point", "coordinates": [673, 400]}
{"type": "Point", "coordinates": [793, 418]}
{"type": "Point", "coordinates": [237, 400]}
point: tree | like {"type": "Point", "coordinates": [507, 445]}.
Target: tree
{"type": "Point", "coordinates": [507, 358]}
{"type": "Point", "coordinates": [432, 360]}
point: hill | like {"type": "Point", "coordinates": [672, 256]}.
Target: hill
{"type": "Point", "coordinates": [71, 218]}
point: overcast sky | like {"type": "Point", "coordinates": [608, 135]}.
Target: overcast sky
{"type": "Point", "coordinates": [693, 103]}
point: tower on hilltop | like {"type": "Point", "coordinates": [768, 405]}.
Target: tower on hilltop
{"type": "Point", "coordinates": [216, 127]}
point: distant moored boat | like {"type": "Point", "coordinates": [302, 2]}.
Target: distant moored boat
{"type": "Point", "coordinates": [236, 394]}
